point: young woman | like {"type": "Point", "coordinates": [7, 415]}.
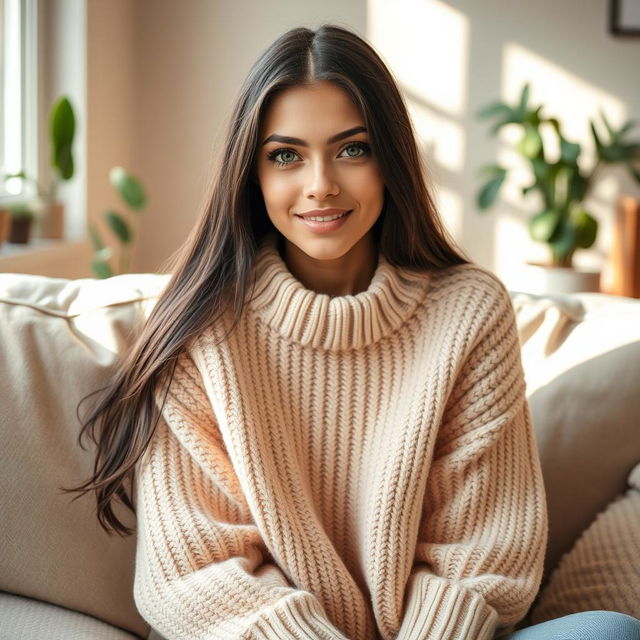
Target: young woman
{"type": "Point", "coordinates": [324, 418]}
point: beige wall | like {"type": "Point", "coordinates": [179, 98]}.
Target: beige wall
{"type": "Point", "coordinates": [113, 73]}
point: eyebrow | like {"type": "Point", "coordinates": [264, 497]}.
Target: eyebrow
{"type": "Point", "coordinates": [297, 141]}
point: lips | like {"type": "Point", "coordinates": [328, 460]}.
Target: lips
{"type": "Point", "coordinates": [325, 226]}
{"type": "Point", "coordinates": [322, 212]}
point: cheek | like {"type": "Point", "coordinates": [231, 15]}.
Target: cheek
{"type": "Point", "coordinates": [275, 190]}
{"type": "Point", "coordinates": [368, 184]}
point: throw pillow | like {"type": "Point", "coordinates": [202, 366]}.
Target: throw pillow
{"type": "Point", "coordinates": [602, 571]}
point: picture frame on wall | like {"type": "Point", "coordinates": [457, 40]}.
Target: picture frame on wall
{"type": "Point", "coordinates": [624, 17]}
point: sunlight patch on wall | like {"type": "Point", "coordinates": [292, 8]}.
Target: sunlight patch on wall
{"type": "Point", "coordinates": [451, 207]}
{"type": "Point", "coordinates": [510, 236]}
{"type": "Point", "coordinates": [425, 43]}
{"type": "Point", "coordinates": [441, 139]}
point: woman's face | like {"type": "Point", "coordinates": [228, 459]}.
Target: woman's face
{"type": "Point", "coordinates": [329, 165]}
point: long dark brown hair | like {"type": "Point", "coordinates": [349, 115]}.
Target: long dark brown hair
{"type": "Point", "coordinates": [213, 269]}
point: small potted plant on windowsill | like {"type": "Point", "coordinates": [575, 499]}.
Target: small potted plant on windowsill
{"type": "Point", "coordinates": [22, 217]}
{"type": "Point", "coordinates": [562, 185]}
{"type": "Point", "coordinates": [62, 125]}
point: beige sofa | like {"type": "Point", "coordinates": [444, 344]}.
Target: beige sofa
{"type": "Point", "coordinates": [62, 576]}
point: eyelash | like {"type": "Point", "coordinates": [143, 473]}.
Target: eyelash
{"type": "Point", "coordinates": [359, 144]}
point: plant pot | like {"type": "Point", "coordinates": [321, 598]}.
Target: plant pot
{"type": "Point", "coordinates": [5, 225]}
{"type": "Point", "coordinates": [51, 224]}
{"type": "Point", "coordinates": [20, 231]}
{"type": "Point", "coordinates": [543, 278]}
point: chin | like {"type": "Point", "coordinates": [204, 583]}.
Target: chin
{"type": "Point", "coordinates": [323, 247]}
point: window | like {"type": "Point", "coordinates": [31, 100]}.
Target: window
{"type": "Point", "coordinates": [18, 95]}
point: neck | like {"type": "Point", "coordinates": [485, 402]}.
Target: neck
{"type": "Point", "coordinates": [347, 275]}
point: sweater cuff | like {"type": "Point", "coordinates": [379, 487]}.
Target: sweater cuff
{"type": "Point", "coordinates": [438, 608]}
{"type": "Point", "coordinates": [295, 618]}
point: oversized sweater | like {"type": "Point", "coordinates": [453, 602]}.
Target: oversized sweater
{"type": "Point", "coordinates": [360, 466]}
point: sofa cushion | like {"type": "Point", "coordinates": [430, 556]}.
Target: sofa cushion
{"type": "Point", "coordinates": [58, 342]}
{"type": "Point", "coordinates": [602, 571]}
{"type": "Point", "coordinates": [29, 619]}
{"type": "Point", "coordinates": [581, 356]}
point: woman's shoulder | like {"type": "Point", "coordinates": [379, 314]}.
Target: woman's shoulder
{"type": "Point", "coordinates": [469, 280]}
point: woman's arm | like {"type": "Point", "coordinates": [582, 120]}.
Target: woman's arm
{"type": "Point", "coordinates": [482, 538]}
{"type": "Point", "coordinates": [202, 568]}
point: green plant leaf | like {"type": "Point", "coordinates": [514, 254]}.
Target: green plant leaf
{"type": "Point", "coordinates": [596, 138]}
{"type": "Point", "coordinates": [614, 153]}
{"type": "Point", "coordinates": [20, 174]}
{"type": "Point", "coordinates": [578, 185]}
{"type": "Point", "coordinates": [101, 269]}
{"type": "Point", "coordinates": [62, 126]}
{"type": "Point", "coordinates": [612, 133]}
{"type": "Point", "coordinates": [130, 189]}
{"type": "Point", "coordinates": [493, 109]}
{"type": "Point", "coordinates": [64, 161]}
{"type": "Point", "coordinates": [531, 142]}
{"type": "Point", "coordinates": [626, 127]}
{"type": "Point", "coordinates": [563, 241]}
{"type": "Point", "coordinates": [119, 226]}
{"type": "Point", "coordinates": [490, 170]}
{"type": "Point", "coordinates": [586, 228]}
{"type": "Point", "coordinates": [489, 192]}
{"type": "Point", "coordinates": [545, 176]}
{"type": "Point", "coordinates": [542, 225]}
{"type": "Point", "coordinates": [524, 98]}
{"type": "Point", "coordinates": [96, 240]}
{"type": "Point", "coordinates": [21, 210]}
{"type": "Point", "coordinates": [535, 118]}
{"type": "Point", "coordinates": [555, 123]}
{"type": "Point", "coordinates": [569, 151]}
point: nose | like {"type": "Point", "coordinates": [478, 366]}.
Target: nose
{"type": "Point", "coordinates": [320, 182]}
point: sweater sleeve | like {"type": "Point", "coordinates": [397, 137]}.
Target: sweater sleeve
{"type": "Point", "coordinates": [483, 530]}
{"type": "Point", "coordinates": [202, 569]}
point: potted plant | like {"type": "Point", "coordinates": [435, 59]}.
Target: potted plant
{"type": "Point", "coordinates": [22, 216]}
{"type": "Point", "coordinates": [562, 185]}
{"type": "Point", "coordinates": [133, 195]}
{"type": "Point", "coordinates": [62, 124]}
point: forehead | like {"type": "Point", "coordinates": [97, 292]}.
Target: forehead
{"type": "Point", "coordinates": [316, 110]}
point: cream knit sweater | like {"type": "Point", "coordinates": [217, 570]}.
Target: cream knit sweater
{"type": "Point", "coordinates": [355, 467]}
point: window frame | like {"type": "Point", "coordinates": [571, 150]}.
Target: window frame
{"type": "Point", "coordinates": [27, 48]}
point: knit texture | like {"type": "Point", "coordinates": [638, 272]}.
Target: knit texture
{"type": "Point", "coordinates": [356, 467]}
{"type": "Point", "coordinates": [602, 571]}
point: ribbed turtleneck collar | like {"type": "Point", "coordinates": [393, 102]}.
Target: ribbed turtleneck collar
{"type": "Point", "coordinates": [333, 322]}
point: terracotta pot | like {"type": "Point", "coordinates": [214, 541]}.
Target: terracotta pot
{"type": "Point", "coordinates": [545, 279]}
{"type": "Point", "coordinates": [51, 224]}
{"type": "Point", "coordinates": [5, 225]}
{"type": "Point", "coordinates": [20, 231]}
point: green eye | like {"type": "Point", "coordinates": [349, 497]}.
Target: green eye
{"type": "Point", "coordinates": [274, 154]}
{"type": "Point", "coordinates": [286, 153]}
{"type": "Point", "coordinates": [361, 146]}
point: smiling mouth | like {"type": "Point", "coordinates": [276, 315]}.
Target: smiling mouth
{"type": "Point", "coordinates": [324, 218]}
